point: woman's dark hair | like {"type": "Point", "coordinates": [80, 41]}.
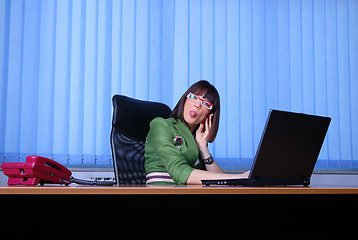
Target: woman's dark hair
{"type": "Point", "coordinates": [210, 93]}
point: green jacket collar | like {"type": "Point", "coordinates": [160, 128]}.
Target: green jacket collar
{"type": "Point", "coordinates": [184, 130]}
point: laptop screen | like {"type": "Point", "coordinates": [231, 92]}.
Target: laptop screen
{"type": "Point", "coordinates": [289, 146]}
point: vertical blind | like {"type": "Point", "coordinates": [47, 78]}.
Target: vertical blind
{"type": "Point", "coordinates": [62, 61]}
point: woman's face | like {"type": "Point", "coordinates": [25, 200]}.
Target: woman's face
{"type": "Point", "coordinates": [194, 112]}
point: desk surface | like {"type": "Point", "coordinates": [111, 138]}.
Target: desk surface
{"type": "Point", "coordinates": [182, 189]}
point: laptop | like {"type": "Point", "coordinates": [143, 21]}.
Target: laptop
{"type": "Point", "coordinates": [287, 153]}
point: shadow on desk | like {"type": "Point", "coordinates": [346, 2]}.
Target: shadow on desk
{"type": "Point", "coordinates": [165, 215]}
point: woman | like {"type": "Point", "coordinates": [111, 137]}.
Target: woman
{"type": "Point", "coordinates": [176, 149]}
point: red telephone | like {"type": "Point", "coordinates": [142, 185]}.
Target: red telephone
{"type": "Point", "coordinates": [36, 170]}
{"type": "Point", "coordinates": [42, 170]}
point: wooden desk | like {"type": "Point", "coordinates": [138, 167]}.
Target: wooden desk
{"type": "Point", "coordinates": [184, 208]}
{"type": "Point", "coordinates": [174, 190]}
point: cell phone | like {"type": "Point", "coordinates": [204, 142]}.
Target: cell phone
{"type": "Point", "coordinates": [205, 118]}
{"type": "Point", "coordinates": [203, 122]}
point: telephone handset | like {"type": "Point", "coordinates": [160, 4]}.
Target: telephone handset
{"type": "Point", "coordinates": [51, 165]}
{"type": "Point", "coordinates": [42, 170]}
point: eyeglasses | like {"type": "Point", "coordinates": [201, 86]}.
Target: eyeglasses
{"type": "Point", "coordinates": [204, 103]}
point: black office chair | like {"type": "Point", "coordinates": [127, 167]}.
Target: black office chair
{"type": "Point", "coordinates": [130, 126]}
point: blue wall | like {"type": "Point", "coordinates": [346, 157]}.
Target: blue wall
{"type": "Point", "coordinates": [61, 62]}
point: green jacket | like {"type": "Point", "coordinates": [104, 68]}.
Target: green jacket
{"type": "Point", "coordinates": [163, 154]}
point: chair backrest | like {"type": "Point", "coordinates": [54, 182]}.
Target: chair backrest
{"type": "Point", "coordinates": [130, 126]}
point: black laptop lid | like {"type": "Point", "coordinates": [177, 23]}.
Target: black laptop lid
{"type": "Point", "coordinates": [289, 146]}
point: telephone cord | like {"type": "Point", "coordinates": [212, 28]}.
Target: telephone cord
{"type": "Point", "coordinates": [92, 182]}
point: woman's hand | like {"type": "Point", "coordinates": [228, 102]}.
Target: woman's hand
{"type": "Point", "coordinates": [201, 137]}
